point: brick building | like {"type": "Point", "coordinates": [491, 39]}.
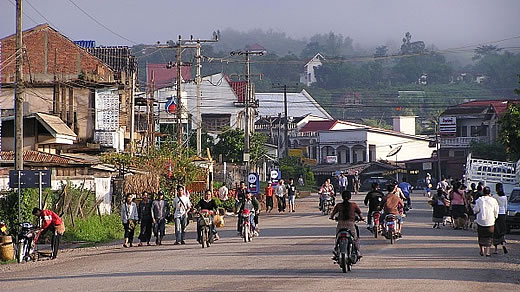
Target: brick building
{"type": "Point", "coordinates": [64, 80]}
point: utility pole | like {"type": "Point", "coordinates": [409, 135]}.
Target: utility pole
{"type": "Point", "coordinates": [185, 44]}
{"type": "Point", "coordinates": [248, 97]}
{"type": "Point", "coordinates": [132, 114]}
{"type": "Point", "coordinates": [18, 98]}
{"type": "Point", "coordinates": [286, 123]}
{"type": "Point", "coordinates": [437, 142]}
{"type": "Point", "coordinates": [178, 63]}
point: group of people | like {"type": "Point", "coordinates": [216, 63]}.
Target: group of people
{"type": "Point", "coordinates": [476, 207]}
{"type": "Point", "coordinates": [348, 212]}
{"type": "Point", "coordinates": [285, 195]}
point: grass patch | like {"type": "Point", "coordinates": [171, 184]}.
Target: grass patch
{"type": "Point", "coordinates": [7, 262]}
{"type": "Point", "coordinates": [94, 230]}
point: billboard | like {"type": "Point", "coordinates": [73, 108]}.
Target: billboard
{"type": "Point", "coordinates": [448, 127]}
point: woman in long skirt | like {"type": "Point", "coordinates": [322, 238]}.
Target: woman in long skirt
{"type": "Point", "coordinates": [486, 210]}
{"type": "Point", "coordinates": [500, 223]}
{"type": "Point", "coordinates": [439, 209]}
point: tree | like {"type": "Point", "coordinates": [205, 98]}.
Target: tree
{"type": "Point", "coordinates": [494, 151]}
{"type": "Point", "coordinates": [231, 146]}
{"type": "Point", "coordinates": [381, 51]}
{"type": "Point", "coordinates": [485, 50]}
{"type": "Point", "coordinates": [510, 130]}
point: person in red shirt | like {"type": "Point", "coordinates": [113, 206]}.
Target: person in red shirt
{"type": "Point", "coordinates": [269, 191]}
{"type": "Point", "coordinates": [51, 221]}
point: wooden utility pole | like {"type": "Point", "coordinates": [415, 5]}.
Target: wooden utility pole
{"type": "Point", "coordinates": [132, 114]}
{"type": "Point", "coordinates": [18, 98]}
{"type": "Point", "coordinates": [247, 98]}
{"type": "Point", "coordinates": [198, 80]}
{"type": "Point", "coordinates": [286, 122]}
{"type": "Point", "coordinates": [178, 63]}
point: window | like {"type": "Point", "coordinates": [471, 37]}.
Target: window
{"type": "Point", "coordinates": [215, 122]}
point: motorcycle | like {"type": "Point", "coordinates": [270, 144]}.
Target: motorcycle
{"type": "Point", "coordinates": [204, 221]}
{"type": "Point", "coordinates": [375, 226]}
{"type": "Point", "coordinates": [328, 205]}
{"type": "Point", "coordinates": [345, 250]}
{"type": "Point", "coordinates": [390, 227]}
{"type": "Point", "coordinates": [247, 229]}
{"type": "Point", "coordinates": [26, 243]}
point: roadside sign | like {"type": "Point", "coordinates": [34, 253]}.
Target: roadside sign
{"type": "Point", "coordinates": [30, 179]}
{"type": "Point", "coordinates": [448, 126]}
{"type": "Point", "coordinates": [253, 183]}
{"type": "Point", "coordinates": [275, 176]}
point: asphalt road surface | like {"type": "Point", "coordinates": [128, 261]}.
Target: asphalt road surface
{"type": "Point", "coordinates": [292, 254]}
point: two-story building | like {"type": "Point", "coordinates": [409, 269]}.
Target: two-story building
{"type": "Point", "coordinates": [308, 77]}
{"type": "Point", "coordinates": [464, 124]}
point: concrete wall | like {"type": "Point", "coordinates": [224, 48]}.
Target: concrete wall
{"type": "Point", "coordinates": [411, 148]}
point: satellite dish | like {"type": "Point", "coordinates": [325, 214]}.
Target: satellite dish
{"type": "Point", "coordinates": [394, 151]}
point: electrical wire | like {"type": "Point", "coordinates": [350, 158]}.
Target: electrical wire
{"type": "Point", "coordinates": [101, 24]}
{"type": "Point", "coordinates": [42, 16]}
{"type": "Point", "coordinates": [30, 18]}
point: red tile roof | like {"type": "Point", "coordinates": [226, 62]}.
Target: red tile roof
{"type": "Point", "coordinates": [315, 126]}
{"type": "Point", "coordinates": [164, 77]}
{"type": "Point", "coordinates": [41, 157]}
{"type": "Point", "coordinates": [499, 105]}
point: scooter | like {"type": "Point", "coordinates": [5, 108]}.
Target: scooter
{"type": "Point", "coordinates": [247, 229]}
{"type": "Point", "coordinates": [328, 205]}
{"type": "Point", "coordinates": [205, 224]}
{"type": "Point", "coordinates": [390, 227]}
{"type": "Point", "coordinates": [345, 253]}
{"type": "Point", "coordinates": [26, 243]}
{"type": "Point", "coordinates": [375, 226]}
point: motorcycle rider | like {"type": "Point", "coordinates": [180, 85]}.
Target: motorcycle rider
{"type": "Point", "coordinates": [406, 188]}
{"type": "Point", "coordinates": [374, 200]}
{"type": "Point", "coordinates": [347, 212]}
{"type": "Point", "coordinates": [51, 221]}
{"type": "Point", "coordinates": [392, 204]}
{"type": "Point", "coordinates": [326, 190]}
{"type": "Point", "coordinates": [207, 203]}
{"type": "Point", "coordinates": [249, 203]}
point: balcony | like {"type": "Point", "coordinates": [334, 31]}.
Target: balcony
{"type": "Point", "coordinates": [461, 142]}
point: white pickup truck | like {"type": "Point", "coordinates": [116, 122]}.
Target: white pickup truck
{"type": "Point", "coordinates": [491, 172]}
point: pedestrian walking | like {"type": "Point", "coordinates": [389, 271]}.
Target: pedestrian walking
{"type": "Point", "coordinates": [145, 217]}
{"type": "Point", "coordinates": [343, 183]}
{"type": "Point", "coordinates": [486, 209]}
{"type": "Point", "coordinates": [223, 192]}
{"type": "Point", "coordinates": [500, 224]}
{"type": "Point", "coordinates": [356, 182]}
{"type": "Point", "coordinates": [428, 182]}
{"type": "Point", "coordinates": [129, 218]}
{"type": "Point", "coordinates": [280, 195]}
{"type": "Point", "coordinates": [182, 206]}
{"type": "Point", "coordinates": [50, 221]}
{"type": "Point", "coordinates": [458, 206]}
{"type": "Point", "coordinates": [269, 193]}
{"type": "Point", "coordinates": [160, 211]}
{"type": "Point", "coordinates": [439, 208]}
{"type": "Point", "coordinates": [291, 195]}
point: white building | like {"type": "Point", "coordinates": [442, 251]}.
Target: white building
{"type": "Point", "coordinates": [308, 77]}
{"type": "Point", "coordinates": [299, 104]}
{"type": "Point", "coordinates": [365, 144]}
{"type": "Point", "coordinates": [220, 106]}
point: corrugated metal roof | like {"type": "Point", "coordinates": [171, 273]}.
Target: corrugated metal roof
{"type": "Point", "coordinates": [298, 105]}
{"type": "Point", "coordinates": [315, 126]}
{"type": "Point", "coordinates": [55, 125]}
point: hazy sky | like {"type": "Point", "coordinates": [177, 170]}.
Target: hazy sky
{"type": "Point", "coordinates": [446, 23]}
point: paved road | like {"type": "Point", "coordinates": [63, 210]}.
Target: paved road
{"type": "Point", "coordinates": [292, 254]}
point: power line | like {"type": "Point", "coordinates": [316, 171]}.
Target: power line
{"type": "Point", "coordinates": [45, 18]}
{"type": "Point", "coordinates": [101, 24]}
{"type": "Point", "coordinates": [30, 18]}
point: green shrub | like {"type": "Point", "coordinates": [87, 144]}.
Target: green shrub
{"type": "Point", "coordinates": [91, 229]}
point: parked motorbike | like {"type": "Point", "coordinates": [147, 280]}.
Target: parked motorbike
{"type": "Point", "coordinates": [375, 226]}
{"type": "Point", "coordinates": [390, 227]}
{"type": "Point", "coordinates": [26, 243]}
{"type": "Point", "coordinates": [247, 229]}
{"type": "Point", "coordinates": [204, 221]}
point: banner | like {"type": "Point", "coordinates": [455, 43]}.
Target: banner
{"type": "Point", "coordinates": [448, 127]}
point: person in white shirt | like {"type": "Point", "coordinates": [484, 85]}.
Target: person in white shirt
{"type": "Point", "coordinates": [500, 223]}
{"type": "Point", "coordinates": [343, 183]}
{"type": "Point", "coordinates": [280, 192]}
{"type": "Point", "coordinates": [486, 210]}
{"type": "Point", "coordinates": [223, 192]}
{"type": "Point", "coordinates": [182, 206]}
